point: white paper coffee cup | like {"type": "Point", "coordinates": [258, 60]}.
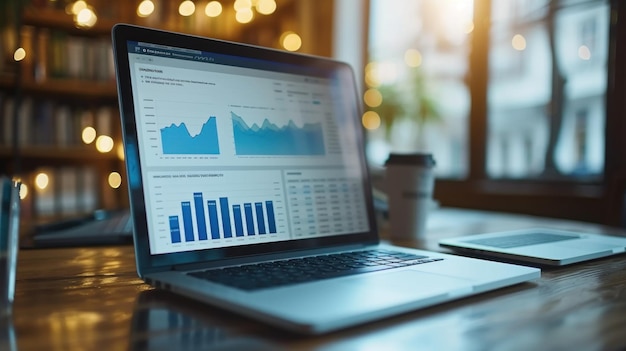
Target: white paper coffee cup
{"type": "Point", "coordinates": [409, 181]}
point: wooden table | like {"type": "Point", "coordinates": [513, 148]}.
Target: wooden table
{"type": "Point", "coordinates": [91, 299]}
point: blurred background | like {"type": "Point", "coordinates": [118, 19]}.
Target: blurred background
{"type": "Point", "coordinates": [522, 102]}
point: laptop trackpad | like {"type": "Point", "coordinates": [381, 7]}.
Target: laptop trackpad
{"type": "Point", "coordinates": [341, 298]}
{"type": "Point", "coordinates": [410, 283]}
{"type": "Point", "coordinates": [372, 292]}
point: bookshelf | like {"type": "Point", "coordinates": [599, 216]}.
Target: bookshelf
{"type": "Point", "coordinates": [65, 85]}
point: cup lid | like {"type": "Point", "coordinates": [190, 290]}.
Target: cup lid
{"type": "Point", "coordinates": [412, 159]}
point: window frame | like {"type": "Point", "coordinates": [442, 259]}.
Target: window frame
{"type": "Point", "coordinates": [597, 201]}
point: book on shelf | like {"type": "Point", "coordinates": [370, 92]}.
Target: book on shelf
{"type": "Point", "coordinates": [104, 121]}
{"type": "Point", "coordinates": [7, 48]}
{"type": "Point", "coordinates": [24, 118]}
{"type": "Point", "coordinates": [6, 119]}
{"type": "Point", "coordinates": [56, 54]}
{"type": "Point", "coordinates": [46, 122]}
{"type": "Point", "coordinates": [40, 65]}
{"type": "Point", "coordinates": [67, 198]}
{"type": "Point", "coordinates": [63, 55]}
{"type": "Point", "coordinates": [64, 135]}
{"type": "Point", "coordinates": [27, 34]}
{"type": "Point", "coordinates": [44, 198]}
{"type": "Point", "coordinates": [42, 123]}
{"type": "Point", "coordinates": [88, 185]}
{"type": "Point", "coordinates": [71, 190]}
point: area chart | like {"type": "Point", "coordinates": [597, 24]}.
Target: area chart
{"type": "Point", "coordinates": [176, 139]}
{"type": "Point", "coordinates": [270, 139]}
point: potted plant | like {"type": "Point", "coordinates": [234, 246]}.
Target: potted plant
{"type": "Point", "coordinates": [408, 108]}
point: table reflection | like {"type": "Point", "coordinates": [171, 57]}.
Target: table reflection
{"type": "Point", "coordinates": [164, 321]}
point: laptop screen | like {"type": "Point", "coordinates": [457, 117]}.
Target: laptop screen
{"type": "Point", "coordinates": [239, 151]}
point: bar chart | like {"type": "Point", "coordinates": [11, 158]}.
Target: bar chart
{"type": "Point", "coordinates": [220, 224]}
{"type": "Point", "coordinates": [216, 209]}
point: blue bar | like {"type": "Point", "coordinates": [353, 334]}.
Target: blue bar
{"type": "Point", "coordinates": [215, 226]}
{"type": "Point", "coordinates": [247, 208]}
{"type": "Point", "coordinates": [271, 221]}
{"type": "Point", "coordinates": [259, 217]}
{"type": "Point", "coordinates": [238, 220]}
{"type": "Point", "coordinates": [174, 229]}
{"type": "Point", "coordinates": [200, 219]}
{"type": "Point", "coordinates": [225, 217]}
{"type": "Point", "coordinates": [186, 207]}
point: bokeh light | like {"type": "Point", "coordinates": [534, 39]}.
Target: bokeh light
{"type": "Point", "coordinates": [104, 143]}
{"type": "Point", "coordinates": [373, 97]}
{"type": "Point", "coordinates": [19, 54]}
{"type": "Point", "coordinates": [88, 135]}
{"type": "Point", "coordinates": [291, 41]}
{"type": "Point", "coordinates": [266, 7]}
{"type": "Point", "coordinates": [186, 8]}
{"type": "Point", "coordinates": [371, 120]}
{"type": "Point", "coordinates": [42, 180]}
{"type": "Point", "coordinates": [115, 180]}
{"type": "Point", "coordinates": [145, 8]}
{"type": "Point", "coordinates": [213, 9]}
{"type": "Point", "coordinates": [518, 42]}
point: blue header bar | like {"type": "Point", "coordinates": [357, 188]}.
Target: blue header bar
{"type": "Point", "coordinates": [150, 49]}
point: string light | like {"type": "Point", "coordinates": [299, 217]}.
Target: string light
{"type": "Point", "coordinates": [115, 180]}
{"type": "Point", "coordinates": [76, 7]}
{"type": "Point", "coordinates": [266, 7]}
{"type": "Point", "coordinates": [104, 143]}
{"type": "Point", "coordinates": [42, 180]}
{"type": "Point", "coordinates": [242, 5]}
{"type": "Point", "coordinates": [145, 8]}
{"type": "Point", "coordinates": [19, 54]}
{"type": "Point", "coordinates": [291, 41]}
{"type": "Point", "coordinates": [370, 120]}
{"type": "Point", "coordinates": [373, 98]}
{"type": "Point", "coordinates": [186, 8]}
{"type": "Point", "coordinates": [213, 9]}
{"type": "Point", "coordinates": [244, 16]}
{"type": "Point", "coordinates": [88, 135]}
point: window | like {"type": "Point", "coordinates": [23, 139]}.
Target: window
{"type": "Point", "coordinates": [519, 100]}
{"type": "Point", "coordinates": [547, 88]}
{"type": "Point", "coordinates": [417, 81]}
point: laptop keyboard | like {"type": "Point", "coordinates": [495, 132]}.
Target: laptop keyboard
{"type": "Point", "coordinates": [299, 270]}
{"type": "Point", "coordinates": [510, 241]}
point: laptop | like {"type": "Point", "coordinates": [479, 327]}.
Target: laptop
{"type": "Point", "coordinates": [102, 227]}
{"type": "Point", "coordinates": [540, 246]}
{"type": "Point", "coordinates": [249, 188]}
